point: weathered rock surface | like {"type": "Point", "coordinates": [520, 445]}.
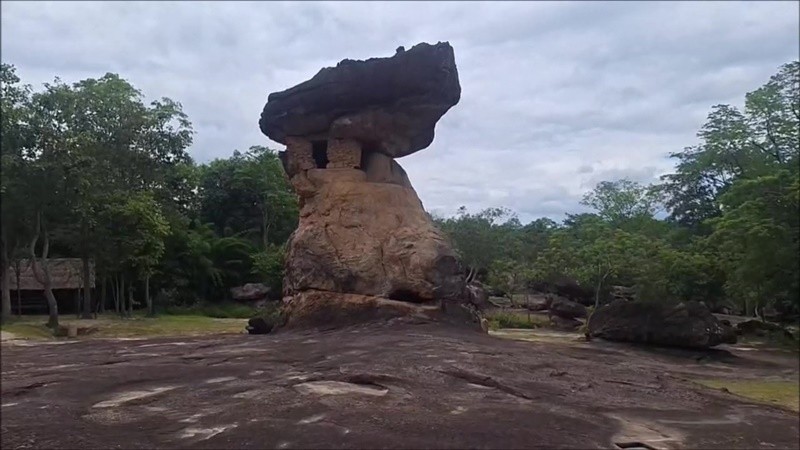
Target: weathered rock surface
{"type": "Point", "coordinates": [250, 292]}
{"type": "Point", "coordinates": [392, 103]}
{"type": "Point", "coordinates": [421, 386]}
{"type": "Point", "coordinates": [567, 309]}
{"type": "Point", "coordinates": [499, 302]}
{"type": "Point", "coordinates": [565, 323]}
{"type": "Point", "coordinates": [538, 302]}
{"type": "Point", "coordinates": [258, 325]}
{"type": "Point", "coordinates": [370, 239]}
{"type": "Point", "coordinates": [478, 295]}
{"type": "Point", "coordinates": [568, 288]}
{"type": "Point", "coordinates": [688, 324]}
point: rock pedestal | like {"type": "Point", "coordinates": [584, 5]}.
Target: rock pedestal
{"type": "Point", "coordinates": [364, 248]}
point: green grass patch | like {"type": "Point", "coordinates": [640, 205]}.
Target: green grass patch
{"type": "Point", "coordinates": [171, 325]}
{"type": "Point", "coordinates": [500, 320]}
{"type": "Point", "coordinates": [219, 311]}
{"type": "Point", "coordinates": [23, 329]}
{"type": "Point", "coordinates": [113, 326]}
{"type": "Point", "coordinates": [785, 394]}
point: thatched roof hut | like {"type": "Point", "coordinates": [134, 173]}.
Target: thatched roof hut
{"type": "Point", "coordinates": [65, 273]}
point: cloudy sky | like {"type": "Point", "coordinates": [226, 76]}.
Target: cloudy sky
{"type": "Point", "coordinates": [555, 96]}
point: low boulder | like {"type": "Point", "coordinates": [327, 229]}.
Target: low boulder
{"type": "Point", "coordinates": [567, 309]}
{"type": "Point", "coordinates": [74, 330]}
{"type": "Point", "coordinates": [477, 295]}
{"type": "Point", "coordinates": [565, 324]}
{"type": "Point", "coordinates": [689, 325]}
{"type": "Point", "coordinates": [572, 290]}
{"type": "Point", "coordinates": [499, 302]}
{"type": "Point", "coordinates": [623, 293]}
{"type": "Point", "coordinates": [250, 292]}
{"type": "Point", "coordinates": [259, 325]}
{"type": "Point", "coordinates": [538, 302]}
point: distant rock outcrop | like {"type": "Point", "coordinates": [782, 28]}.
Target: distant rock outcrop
{"type": "Point", "coordinates": [688, 324]}
{"type": "Point", "coordinates": [567, 309]}
{"type": "Point", "coordinates": [364, 248]}
{"type": "Point", "coordinates": [250, 292]}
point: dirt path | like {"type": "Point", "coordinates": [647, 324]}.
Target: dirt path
{"type": "Point", "coordinates": [401, 386]}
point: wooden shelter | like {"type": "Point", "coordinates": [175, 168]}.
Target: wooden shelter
{"type": "Point", "coordinates": [67, 282]}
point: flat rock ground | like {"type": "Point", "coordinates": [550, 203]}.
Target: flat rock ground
{"type": "Point", "coordinates": [382, 386]}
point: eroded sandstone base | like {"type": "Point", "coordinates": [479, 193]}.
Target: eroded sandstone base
{"type": "Point", "coordinates": [389, 386]}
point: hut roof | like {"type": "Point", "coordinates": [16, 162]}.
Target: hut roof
{"type": "Point", "coordinates": [65, 273]}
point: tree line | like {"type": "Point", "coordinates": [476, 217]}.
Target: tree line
{"type": "Point", "coordinates": [91, 170]}
{"type": "Point", "coordinates": [730, 235]}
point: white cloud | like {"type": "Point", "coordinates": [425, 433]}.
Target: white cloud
{"type": "Point", "coordinates": [555, 96]}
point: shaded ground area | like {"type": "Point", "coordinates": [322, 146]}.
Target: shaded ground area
{"type": "Point", "coordinates": [382, 386]}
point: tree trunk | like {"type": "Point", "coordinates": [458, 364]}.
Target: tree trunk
{"type": "Point", "coordinates": [122, 295]}
{"type": "Point", "coordinates": [115, 287]}
{"type": "Point", "coordinates": [130, 300]}
{"type": "Point", "coordinates": [41, 271]}
{"type": "Point", "coordinates": [150, 309]}
{"type": "Point", "coordinates": [5, 279]}
{"type": "Point", "coordinates": [470, 274]}
{"type": "Point", "coordinates": [599, 287]}
{"type": "Point", "coordinates": [87, 289]}
{"type": "Point", "coordinates": [19, 291]}
{"type": "Point", "coordinates": [103, 294]}
{"type": "Point", "coordinates": [264, 228]}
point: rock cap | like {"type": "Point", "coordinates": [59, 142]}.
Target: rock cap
{"type": "Point", "coordinates": [392, 104]}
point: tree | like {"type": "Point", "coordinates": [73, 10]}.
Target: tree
{"type": "Point", "coordinates": [248, 194]}
{"type": "Point", "coordinates": [622, 200]}
{"type": "Point", "coordinates": [480, 237]}
{"type": "Point", "coordinates": [758, 236]}
{"type": "Point", "coordinates": [50, 173]}
{"type": "Point", "coordinates": [736, 145]}
{"type": "Point", "coordinates": [14, 106]}
{"type": "Point", "coordinates": [269, 266]}
{"type": "Point", "coordinates": [140, 221]}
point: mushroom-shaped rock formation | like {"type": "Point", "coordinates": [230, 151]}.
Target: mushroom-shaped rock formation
{"type": "Point", "coordinates": [364, 248]}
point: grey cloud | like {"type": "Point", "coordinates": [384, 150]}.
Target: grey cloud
{"type": "Point", "coordinates": [556, 96]}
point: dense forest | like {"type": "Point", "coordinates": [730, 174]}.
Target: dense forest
{"type": "Point", "coordinates": [91, 170]}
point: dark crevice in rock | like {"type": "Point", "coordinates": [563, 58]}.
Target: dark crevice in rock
{"type": "Point", "coordinates": [320, 153]}
{"type": "Point", "coordinates": [405, 295]}
{"type": "Point", "coordinates": [484, 380]}
{"type": "Point", "coordinates": [634, 446]}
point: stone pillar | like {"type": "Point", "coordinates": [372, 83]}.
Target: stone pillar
{"type": "Point", "coordinates": [299, 156]}
{"type": "Point", "coordinates": [344, 154]}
